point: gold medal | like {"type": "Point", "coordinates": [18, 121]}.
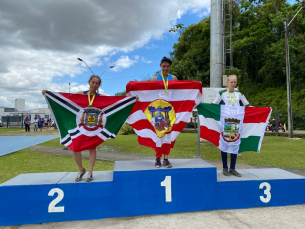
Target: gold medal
{"type": "Point", "coordinates": [90, 101]}
{"type": "Point", "coordinates": [165, 84]}
{"type": "Point", "coordinates": [232, 100]}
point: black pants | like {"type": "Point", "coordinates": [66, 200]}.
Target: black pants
{"type": "Point", "coordinates": [27, 127]}
{"type": "Point", "coordinates": [225, 160]}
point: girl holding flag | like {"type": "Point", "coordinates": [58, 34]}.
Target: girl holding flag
{"type": "Point", "coordinates": [94, 83]}
{"type": "Point", "coordinates": [230, 97]}
{"type": "Point", "coordinates": [165, 76]}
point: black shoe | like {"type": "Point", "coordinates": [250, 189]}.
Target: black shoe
{"type": "Point", "coordinates": [66, 148]}
{"type": "Point", "coordinates": [166, 163]}
{"type": "Point", "coordinates": [158, 162]}
{"type": "Point", "coordinates": [235, 173]}
{"type": "Point", "coordinates": [226, 172]}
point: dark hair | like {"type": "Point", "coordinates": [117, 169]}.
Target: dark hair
{"type": "Point", "coordinates": [95, 76]}
{"type": "Point", "coordinates": [165, 59]}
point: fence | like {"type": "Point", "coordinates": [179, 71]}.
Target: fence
{"type": "Point", "coordinates": [12, 121]}
{"type": "Point", "coordinates": [298, 120]}
{"type": "Point", "coordinates": [17, 119]}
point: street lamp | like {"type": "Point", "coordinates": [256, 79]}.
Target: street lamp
{"type": "Point", "coordinates": [69, 87]}
{"type": "Point", "coordinates": [106, 70]}
{"type": "Point", "coordinates": [86, 64]}
{"type": "Point", "coordinates": [289, 104]}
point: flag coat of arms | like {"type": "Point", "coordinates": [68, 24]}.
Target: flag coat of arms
{"type": "Point", "coordinates": [82, 127]}
{"type": "Point", "coordinates": [233, 129]}
{"type": "Point", "coordinates": [158, 116]}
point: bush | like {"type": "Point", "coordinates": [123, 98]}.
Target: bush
{"type": "Point", "coordinates": [126, 129]}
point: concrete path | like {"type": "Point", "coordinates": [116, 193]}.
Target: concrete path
{"type": "Point", "coordinates": [291, 217]}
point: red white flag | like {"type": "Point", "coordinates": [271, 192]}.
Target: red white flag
{"type": "Point", "coordinates": [82, 127]}
{"type": "Point", "coordinates": [158, 117]}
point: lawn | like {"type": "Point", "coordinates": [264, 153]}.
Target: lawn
{"type": "Point", "coordinates": [275, 151]}
{"type": "Point", "coordinates": [25, 161]}
{"type": "Point", "coordinates": [4, 129]}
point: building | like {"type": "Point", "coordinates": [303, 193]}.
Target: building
{"type": "Point", "coordinates": [15, 116]}
{"type": "Point", "coordinates": [20, 104]}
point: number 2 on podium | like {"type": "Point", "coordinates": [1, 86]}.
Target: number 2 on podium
{"type": "Point", "coordinates": [52, 207]}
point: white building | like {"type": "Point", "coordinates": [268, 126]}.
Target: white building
{"type": "Point", "coordinates": [16, 115]}
{"type": "Point", "coordinates": [20, 104]}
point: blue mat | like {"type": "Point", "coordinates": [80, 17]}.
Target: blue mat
{"type": "Point", "coordinates": [10, 144]}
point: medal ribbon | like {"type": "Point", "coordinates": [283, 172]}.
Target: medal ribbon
{"type": "Point", "coordinates": [232, 100]}
{"type": "Point", "coordinates": [165, 84]}
{"type": "Point", "coordinates": [90, 101]}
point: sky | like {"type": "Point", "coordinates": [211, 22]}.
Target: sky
{"type": "Point", "coordinates": [40, 42]}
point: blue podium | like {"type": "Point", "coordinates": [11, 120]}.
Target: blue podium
{"type": "Point", "coordinates": [136, 188]}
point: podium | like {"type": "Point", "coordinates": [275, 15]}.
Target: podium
{"type": "Point", "coordinates": [137, 188]}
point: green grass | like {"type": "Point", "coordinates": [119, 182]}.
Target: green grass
{"type": "Point", "coordinates": [4, 129]}
{"type": "Point", "coordinates": [275, 151]}
{"type": "Point", "coordinates": [26, 161]}
{"type": "Point", "coordinates": [52, 143]}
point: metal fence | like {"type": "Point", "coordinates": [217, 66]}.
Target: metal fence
{"type": "Point", "coordinates": [12, 121]}
{"type": "Point", "coordinates": [281, 116]}
{"type": "Point", "coordinates": [17, 119]}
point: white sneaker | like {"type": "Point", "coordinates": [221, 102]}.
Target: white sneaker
{"type": "Point", "coordinates": [79, 176]}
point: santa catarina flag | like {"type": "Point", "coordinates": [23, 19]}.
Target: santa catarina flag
{"type": "Point", "coordinates": [159, 116]}
{"type": "Point", "coordinates": [233, 129]}
{"type": "Point", "coordinates": [82, 127]}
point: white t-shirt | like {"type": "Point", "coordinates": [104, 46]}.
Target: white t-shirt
{"type": "Point", "coordinates": [223, 98]}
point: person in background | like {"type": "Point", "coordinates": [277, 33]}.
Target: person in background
{"type": "Point", "coordinates": [45, 123]}
{"type": "Point", "coordinates": [27, 124]}
{"type": "Point", "coordinates": [35, 124]}
{"type": "Point", "coordinates": [40, 123]}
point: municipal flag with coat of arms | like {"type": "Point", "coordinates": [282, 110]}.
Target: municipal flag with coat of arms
{"type": "Point", "coordinates": [159, 116]}
{"type": "Point", "coordinates": [233, 129]}
{"type": "Point", "coordinates": [84, 127]}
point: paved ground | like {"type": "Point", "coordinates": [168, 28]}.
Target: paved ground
{"type": "Point", "coordinates": [291, 217]}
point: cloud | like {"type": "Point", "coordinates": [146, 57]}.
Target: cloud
{"type": "Point", "coordinates": [124, 62]}
{"type": "Point", "coordinates": [40, 40]}
{"type": "Point", "coordinates": [143, 59]}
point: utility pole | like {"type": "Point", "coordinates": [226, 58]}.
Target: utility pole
{"type": "Point", "coordinates": [216, 43]}
{"type": "Point", "coordinates": [289, 103]}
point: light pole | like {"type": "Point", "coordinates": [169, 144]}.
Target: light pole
{"type": "Point", "coordinates": [106, 70]}
{"type": "Point", "coordinates": [69, 87]}
{"type": "Point", "coordinates": [86, 64]}
{"type": "Point", "coordinates": [289, 103]}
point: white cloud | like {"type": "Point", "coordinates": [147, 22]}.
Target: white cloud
{"type": "Point", "coordinates": [143, 59]}
{"type": "Point", "coordinates": [124, 62]}
{"type": "Point", "coordinates": [40, 40]}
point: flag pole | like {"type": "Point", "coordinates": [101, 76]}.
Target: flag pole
{"type": "Point", "coordinates": [198, 131]}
